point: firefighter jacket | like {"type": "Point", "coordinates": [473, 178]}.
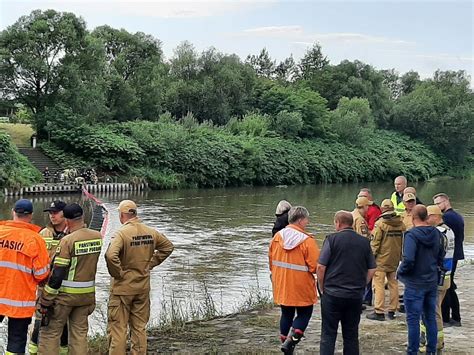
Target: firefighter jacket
{"type": "Point", "coordinates": [293, 257]}
{"type": "Point", "coordinates": [52, 238]}
{"type": "Point", "coordinates": [397, 201]}
{"type": "Point", "coordinates": [387, 241]}
{"type": "Point", "coordinates": [134, 250]}
{"type": "Point", "coordinates": [24, 263]}
{"type": "Point", "coordinates": [72, 282]}
{"type": "Point", "coordinates": [407, 220]}
{"type": "Point", "coordinates": [360, 225]}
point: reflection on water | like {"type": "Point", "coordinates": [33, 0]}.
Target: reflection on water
{"type": "Point", "coordinates": [222, 235]}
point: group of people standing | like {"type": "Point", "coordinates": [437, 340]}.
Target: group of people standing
{"type": "Point", "coordinates": [49, 273]}
{"type": "Point", "coordinates": [374, 247]}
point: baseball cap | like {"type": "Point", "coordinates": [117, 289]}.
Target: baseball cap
{"type": "Point", "coordinates": [386, 204]}
{"type": "Point", "coordinates": [56, 206]}
{"type": "Point", "coordinates": [362, 202]}
{"type": "Point", "coordinates": [23, 206]}
{"type": "Point", "coordinates": [73, 211]}
{"type": "Point", "coordinates": [433, 209]}
{"type": "Point", "coordinates": [408, 196]}
{"type": "Point", "coordinates": [127, 206]}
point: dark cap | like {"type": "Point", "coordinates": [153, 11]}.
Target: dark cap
{"type": "Point", "coordinates": [23, 206]}
{"type": "Point", "coordinates": [56, 206]}
{"type": "Point", "coordinates": [73, 211]}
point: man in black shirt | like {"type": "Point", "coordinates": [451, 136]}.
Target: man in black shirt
{"type": "Point", "coordinates": [346, 265]}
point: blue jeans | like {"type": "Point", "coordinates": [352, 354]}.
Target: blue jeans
{"type": "Point", "coordinates": [418, 303]}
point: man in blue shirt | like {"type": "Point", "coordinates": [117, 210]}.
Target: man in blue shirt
{"type": "Point", "coordinates": [450, 307]}
{"type": "Point", "coordinates": [423, 255]}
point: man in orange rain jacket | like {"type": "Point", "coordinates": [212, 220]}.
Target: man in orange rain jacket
{"type": "Point", "coordinates": [24, 263]}
{"type": "Point", "coordinates": [293, 259]}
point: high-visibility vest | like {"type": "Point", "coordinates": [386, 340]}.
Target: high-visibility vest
{"type": "Point", "coordinates": [399, 207]}
{"type": "Point", "coordinates": [24, 262]}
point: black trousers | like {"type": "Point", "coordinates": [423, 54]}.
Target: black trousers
{"type": "Point", "coordinates": [344, 310]}
{"type": "Point", "coordinates": [450, 306]}
{"type": "Point", "coordinates": [17, 334]}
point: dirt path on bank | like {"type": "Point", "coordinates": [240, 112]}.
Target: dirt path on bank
{"type": "Point", "coordinates": [256, 332]}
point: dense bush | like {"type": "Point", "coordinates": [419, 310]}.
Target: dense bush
{"type": "Point", "coordinates": [172, 155]}
{"type": "Point", "coordinates": [15, 170]}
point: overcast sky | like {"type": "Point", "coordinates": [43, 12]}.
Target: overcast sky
{"type": "Point", "coordinates": [405, 35]}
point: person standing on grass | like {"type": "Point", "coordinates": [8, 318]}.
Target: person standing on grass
{"type": "Point", "coordinates": [346, 266]}
{"type": "Point", "coordinates": [423, 255]}
{"type": "Point", "coordinates": [293, 256]}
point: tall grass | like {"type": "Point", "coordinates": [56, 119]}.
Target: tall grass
{"type": "Point", "coordinates": [182, 307]}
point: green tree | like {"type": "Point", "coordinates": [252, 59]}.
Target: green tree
{"type": "Point", "coordinates": [354, 79]}
{"type": "Point", "coordinates": [273, 98]}
{"type": "Point", "coordinates": [33, 51]}
{"type": "Point", "coordinates": [288, 124]}
{"type": "Point", "coordinates": [352, 120]}
{"type": "Point", "coordinates": [312, 62]}
{"type": "Point", "coordinates": [135, 73]}
{"type": "Point", "coordinates": [409, 81]}
{"type": "Point", "coordinates": [262, 63]}
{"type": "Point", "coordinates": [286, 70]}
{"type": "Point", "coordinates": [434, 113]}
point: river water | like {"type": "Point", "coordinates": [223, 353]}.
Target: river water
{"type": "Point", "coordinates": [221, 236]}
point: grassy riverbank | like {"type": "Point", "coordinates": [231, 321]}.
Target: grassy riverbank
{"type": "Point", "coordinates": [256, 332]}
{"type": "Point", "coordinates": [185, 310]}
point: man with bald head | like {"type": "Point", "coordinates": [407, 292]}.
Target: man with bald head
{"type": "Point", "coordinates": [346, 265]}
{"type": "Point", "coordinates": [423, 255]}
{"type": "Point", "coordinates": [400, 184]}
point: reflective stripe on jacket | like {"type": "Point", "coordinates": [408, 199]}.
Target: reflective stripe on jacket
{"type": "Point", "coordinates": [77, 254]}
{"type": "Point", "coordinates": [52, 238]}
{"type": "Point", "coordinates": [24, 263]}
{"type": "Point", "coordinates": [399, 206]}
{"type": "Point", "coordinates": [293, 257]}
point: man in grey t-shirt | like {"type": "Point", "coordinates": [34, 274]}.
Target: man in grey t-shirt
{"type": "Point", "coordinates": [346, 265]}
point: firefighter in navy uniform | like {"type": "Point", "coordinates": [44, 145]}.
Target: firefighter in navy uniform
{"type": "Point", "coordinates": [51, 234]}
{"type": "Point", "coordinates": [69, 296]}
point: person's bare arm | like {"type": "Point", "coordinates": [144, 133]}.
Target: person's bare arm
{"type": "Point", "coordinates": [321, 271]}
{"type": "Point", "coordinates": [370, 274]}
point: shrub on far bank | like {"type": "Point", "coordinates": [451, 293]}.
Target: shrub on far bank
{"type": "Point", "coordinates": [173, 155]}
{"type": "Point", "coordinates": [15, 170]}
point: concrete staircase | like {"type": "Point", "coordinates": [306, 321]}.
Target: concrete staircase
{"type": "Point", "coordinates": [39, 160]}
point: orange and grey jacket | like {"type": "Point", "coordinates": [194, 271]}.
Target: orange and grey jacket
{"type": "Point", "coordinates": [293, 258]}
{"type": "Point", "coordinates": [24, 263]}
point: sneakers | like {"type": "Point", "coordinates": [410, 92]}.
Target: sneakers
{"type": "Point", "coordinates": [288, 347]}
{"type": "Point", "coordinates": [455, 323]}
{"type": "Point", "coordinates": [452, 323]}
{"type": "Point", "coordinates": [376, 316]}
{"type": "Point", "coordinates": [391, 315]}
